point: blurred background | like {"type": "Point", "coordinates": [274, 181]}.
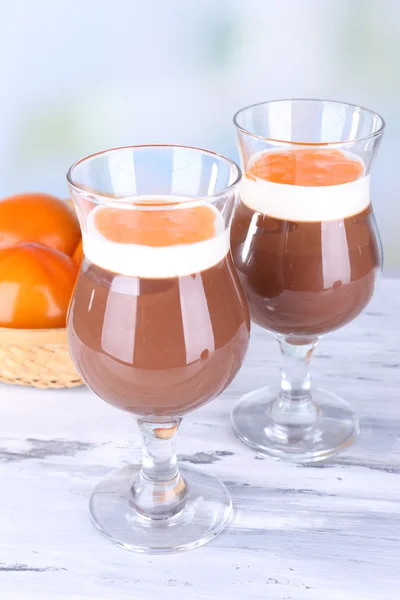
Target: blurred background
{"type": "Point", "coordinates": [83, 75]}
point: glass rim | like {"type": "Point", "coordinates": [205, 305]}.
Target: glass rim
{"type": "Point", "coordinates": [107, 200]}
{"type": "Point", "coordinates": [362, 138]}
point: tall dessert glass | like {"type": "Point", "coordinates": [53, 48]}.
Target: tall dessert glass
{"type": "Point", "coordinates": [307, 251]}
{"type": "Point", "coordinates": [158, 326]}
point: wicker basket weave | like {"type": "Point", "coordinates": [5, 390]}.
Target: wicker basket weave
{"type": "Point", "coordinates": [38, 358]}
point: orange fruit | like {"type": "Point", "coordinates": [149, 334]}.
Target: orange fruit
{"type": "Point", "coordinates": [36, 284]}
{"type": "Point", "coordinates": [78, 254]}
{"type": "Point", "coordinates": [38, 218]}
{"type": "Point", "coordinates": [307, 166]}
{"type": "Point", "coordinates": [158, 228]}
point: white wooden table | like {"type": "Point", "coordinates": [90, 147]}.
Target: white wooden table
{"type": "Point", "coordinates": [312, 533]}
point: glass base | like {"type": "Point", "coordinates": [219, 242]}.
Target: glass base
{"type": "Point", "coordinates": [295, 437]}
{"type": "Point", "coordinates": [205, 514]}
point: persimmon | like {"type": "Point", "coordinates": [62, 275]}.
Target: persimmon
{"type": "Point", "coordinates": [39, 218]}
{"type": "Point", "coordinates": [78, 254]}
{"type": "Point", "coordinates": [36, 284]}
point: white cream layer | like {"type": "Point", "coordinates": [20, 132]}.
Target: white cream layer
{"type": "Point", "coordinates": [150, 262]}
{"type": "Point", "coordinates": [305, 203]}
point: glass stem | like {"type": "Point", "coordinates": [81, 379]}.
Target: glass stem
{"type": "Point", "coordinates": [295, 406]}
{"type": "Point", "coordinates": [159, 492]}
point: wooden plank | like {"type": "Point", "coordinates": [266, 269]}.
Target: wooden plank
{"type": "Point", "coordinates": [299, 533]}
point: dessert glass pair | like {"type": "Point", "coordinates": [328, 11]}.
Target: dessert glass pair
{"type": "Point", "coordinates": [159, 322]}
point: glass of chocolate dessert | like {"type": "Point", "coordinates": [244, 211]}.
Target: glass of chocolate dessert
{"type": "Point", "coordinates": [307, 251]}
{"type": "Point", "coordinates": [158, 326]}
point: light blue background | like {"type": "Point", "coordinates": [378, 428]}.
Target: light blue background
{"type": "Point", "coordinates": [82, 75]}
